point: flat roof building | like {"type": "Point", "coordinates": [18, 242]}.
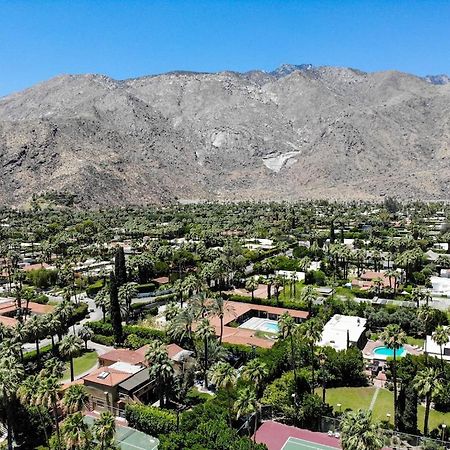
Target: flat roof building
{"type": "Point", "coordinates": [341, 332]}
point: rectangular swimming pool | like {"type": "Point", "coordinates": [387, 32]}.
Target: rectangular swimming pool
{"type": "Point", "coordinates": [266, 325]}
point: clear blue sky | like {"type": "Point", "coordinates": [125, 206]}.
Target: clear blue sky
{"type": "Point", "coordinates": [42, 38]}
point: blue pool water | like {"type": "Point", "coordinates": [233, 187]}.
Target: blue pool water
{"type": "Point", "coordinates": [389, 352]}
{"type": "Point", "coordinates": [270, 327]}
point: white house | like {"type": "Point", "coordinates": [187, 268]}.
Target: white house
{"type": "Point", "coordinates": [290, 274]}
{"type": "Point", "coordinates": [441, 286]}
{"type": "Point", "coordinates": [340, 332]}
{"type": "Point", "coordinates": [434, 350]}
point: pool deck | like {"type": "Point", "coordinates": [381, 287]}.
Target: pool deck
{"type": "Point", "coordinates": [372, 345]}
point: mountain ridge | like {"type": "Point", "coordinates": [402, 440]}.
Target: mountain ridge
{"type": "Point", "coordinates": [297, 132]}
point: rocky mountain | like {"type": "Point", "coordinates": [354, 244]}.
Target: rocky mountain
{"type": "Point", "coordinates": [297, 132]}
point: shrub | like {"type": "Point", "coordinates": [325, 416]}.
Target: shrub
{"type": "Point", "coordinates": [144, 333]}
{"type": "Point", "coordinates": [32, 355]}
{"type": "Point", "coordinates": [104, 340]}
{"type": "Point", "coordinates": [150, 420]}
{"type": "Point", "coordinates": [79, 313]}
{"type": "Point", "coordinates": [93, 289]}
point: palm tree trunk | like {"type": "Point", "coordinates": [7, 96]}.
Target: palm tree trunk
{"type": "Point", "coordinates": [10, 432]}
{"type": "Point", "coordinates": [312, 367]}
{"type": "Point", "coordinates": [221, 329]}
{"type": "Point", "coordinates": [205, 374]}
{"type": "Point", "coordinates": [71, 369]}
{"type": "Point", "coordinates": [38, 356]}
{"type": "Point", "coordinates": [293, 361]}
{"type": "Point", "coordinates": [58, 436]}
{"type": "Point", "coordinates": [394, 374]}
{"type": "Point", "coordinates": [427, 414]}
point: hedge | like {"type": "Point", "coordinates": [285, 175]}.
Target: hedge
{"type": "Point", "coordinates": [106, 329]}
{"type": "Point", "coordinates": [150, 420]}
{"type": "Point", "coordinates": [266, 302]}
{"type": "Point", "coordinates": [31, 356]}
{"type": "Point", "coordinates": [92, 289]}
{"type": "Point", "coordinates": [79, 313]}
{"type": "Point", "coordinates": [103, 340]}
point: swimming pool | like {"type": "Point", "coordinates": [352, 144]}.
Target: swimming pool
{"type": "Point", "coordinates": [385, 352]}
{"type": "Point", "coordinates": [260, 324]}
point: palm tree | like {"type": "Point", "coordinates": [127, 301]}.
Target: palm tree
{"type": "Point", "coordinates": [178, 289]}
{"type": "Point", "coordinates": [75, 432]}
{"type": "Point", "coordinates": [11, 374]}
{"type": "Point", "coordinates": [104, 430]}
{"type": "Point", "coordinates": [219, 308]}
{"type": "Point", "coordinates": [69, 347]}
{"type": "Point", "coordinates": [75, 398]}
{"type": "Point", "coordinates": [205, 331]}
{"type": "Point", "coordinates": [359, 432]}
{"type": "Point", "coordinates": [35, 327]}
{"type": "Point", "coordinates": [102, 301]}
{"type": "Point", "coordinates": [160, 368]}
{"type": "Point", "coordinates": [441, 336]}
{"type": "Point", "coordinates": [278, 281]}
{"type": "Point", "coordinates": [394, 338]}
{"type": "Point", "coordinates": [255, 371]}
{"type": "Point", "coordinates": [427, 384]}
{"type": "Point", "coordinates": [247, 403]}
{"type": "Point", "coordinates": [53, 327]}
{"type": "Point", "coordinates": [311, 332]}
{"type": "Point", "coordinates": [224, 376]}
{"type": "Point", "coordinates": [85, 333]}
{"type": "Point", "coordinates": [287, 325]}
{"type": "Point", "coordinates": [200, 304]}
{"type": "Point", "coordinates": [308, 296]}
{"type": "Point", "coordinates": [127, 292]}
{"type": "Point", "coordinates": [47, 396]}
{"type": "Point", "coordinates": [251, 285]}
{"type": "Point", "coordinates": [181, 326]}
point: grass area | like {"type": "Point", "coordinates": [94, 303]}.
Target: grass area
{"type": "Point", "coordinates": [360, 398]}
{"type": "Point", "coordinates": [415, 341]}
{"type": "Point", "coordinates": [288, 294]}
{"type": "Point", "coordinates": [345, 292]}
{"type": "Point", "coordinates": [349, 398]}
{"type": "Point", "coordinates": [81, 364]}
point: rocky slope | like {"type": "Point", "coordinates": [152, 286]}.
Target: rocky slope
{"type": "Point", "coordinates": [297, 132]}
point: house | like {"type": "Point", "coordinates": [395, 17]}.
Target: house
{"type": "Point", "coordinates": [341, 332]}
{"type": "Point", "coordinates": [441, 286]}
{"type": "Point", "coordinates": [367, 280]}
{"type": "Point", "coordinates": [290, 275]}
{"type": "Point", "coordinates": [435, 350]}
{"type": "Point", "coordinates": [9, 310]}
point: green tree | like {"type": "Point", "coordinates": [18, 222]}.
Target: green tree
{"type": "Point", "coordinates": [104, 430]}
{"type": "Point", "coordinates": [75, 398]}
{"type": "Point", "coordinates": [247, 403]}
{"type": "Point", "coordinates": [441, 337]}
{"type": "Point", "coordinates": [427, 384]}
{"type": "Point", "coordinates": [70, 346]}
{"type": "Point", "coordinates": [359, 432]}
{"type": "Point", "coordinates": [394, 338]}
{"type": "Point", "coordinates": [75, 433]}
{"type": "Point", "coordinates": [224, 376]}
{"type": "Point", "coordinates": [120, 270]}
{"type": "Point", "coordinates": [85, 333]}
{"type": "Point", "coordinates": [205, 331]}
{"type": "Point", "coordinates": [116, 318]}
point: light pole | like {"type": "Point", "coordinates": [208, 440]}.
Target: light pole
{"type": "Point", "coordinates": [339, 405]}
{"type": "Point", "coordinates": [388, 418]}
{"type": "Point", "coordinates": [294, 399]}
{"type": "Point", "coordinates": [444, 426]}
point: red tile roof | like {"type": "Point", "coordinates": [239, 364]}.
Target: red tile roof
{"type": "Point", "coordinates": [113, 378]}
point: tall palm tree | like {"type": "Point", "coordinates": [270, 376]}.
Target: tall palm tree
{"type": "Point", "coordinates": [47, 396]}
{"type": "Point", "coordinates": [427, 384]}
{"type": "Point", "coordinates": [220, 307]}
{"type": "Point", "coordinates": [180, 327]}
{"type": "Point", "coordinates": [247, 403]}
{"type": "Point", "coordinates": [311, 332]}
{"type": "Point", "coordinates": [160, 368]}
{"type": "Point", "coordinates": [85, 333]}
{"type": "Point", "coordinates": [359, 432]}
{"type": "Point", "coordinates": [251, 285]}
{"type": "Point", "coordinates": [178, 289]}
{"type": "Point", "coordinates": [35, 328]}
{"type": "Point", "coordinates": [75, 432]}
{"type": "Point", "coordinates": [75, 398]}
{"type": "Point", "coordinates": [205, 331]}
{"type": "Point", "coordinates": [278, 282]}
{"type": "Point", "coordinates": [104, 430]}
{"type": "Point", "coordinates": [69, 347]}
{"type": "Point", "coordinates": [287, 326]}
{"type": "Point", "coordinates": [224, 376]}
{"type": "Point", "coordinates": [53, 327]}
{"type": "Point", "coordinates": [102, 301]}
{"type": "Point", "coordinates": [394, 338]}
{"type": "Point", "coordinates": [27, 395]}
{"type": "Point", "coordinates": [308, 296]}
{"type": "Point", "coordinates": [11, 374]}
{"type": "Point", "coordinates": [255, 371]}
{"type": "Point", "coordinates": [127, 292]}
{"type": "Point", "coordinates": [441, 336]}
{"type": "Point", "coordinates": [201, 304]}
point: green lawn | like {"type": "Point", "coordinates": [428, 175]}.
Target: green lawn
{"type": "Point", "coordinates": [415, 341]}
{"type": "Point", "coordinates": [355, 398]}
{"type": "Point", "coordinates": [81, 364]}
{"type": "Point", "coordinates": [287, 294]}
{"type": "Point", "coordinates": [348, 397]}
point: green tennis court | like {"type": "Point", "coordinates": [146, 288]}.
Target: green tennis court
{"type": "Point", "coordinates": [300, 444]}
{"type": "Point", "coordinates": [129, 438]}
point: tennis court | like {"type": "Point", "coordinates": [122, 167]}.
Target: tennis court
{"type": "Point", "coordinates": [130, 439]}
{"type": "Point", "coordinates": [300, 444]}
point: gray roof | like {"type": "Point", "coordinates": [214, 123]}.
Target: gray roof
{"type": "Point", "coordinates": [135, 381]}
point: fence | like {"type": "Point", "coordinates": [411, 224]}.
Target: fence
{"type": "Point", "coordinates": [394, 439]}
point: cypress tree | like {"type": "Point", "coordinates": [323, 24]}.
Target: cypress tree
{"type": "Point", "coordinates": [119, 267]}
{"type": "Point", "coordinates": [116, 318]}
{"type": "Point", "coordinates": [407, 410]}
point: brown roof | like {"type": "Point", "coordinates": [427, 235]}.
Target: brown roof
{"type": "Point", "coordinates": [113, 378]}
{"type": "Point", "coordinates": [247, 337]}
{"type": "Point", "coordinates": [172, 350]}
{"type": "Point", "coordinates": [161, 280]}
{"type": "Point", "coordinates": [35, 267]}
{"type": "Point", "coordinates": [123, 355]}
{"type": "Point", "coordinates": [8, 321]}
